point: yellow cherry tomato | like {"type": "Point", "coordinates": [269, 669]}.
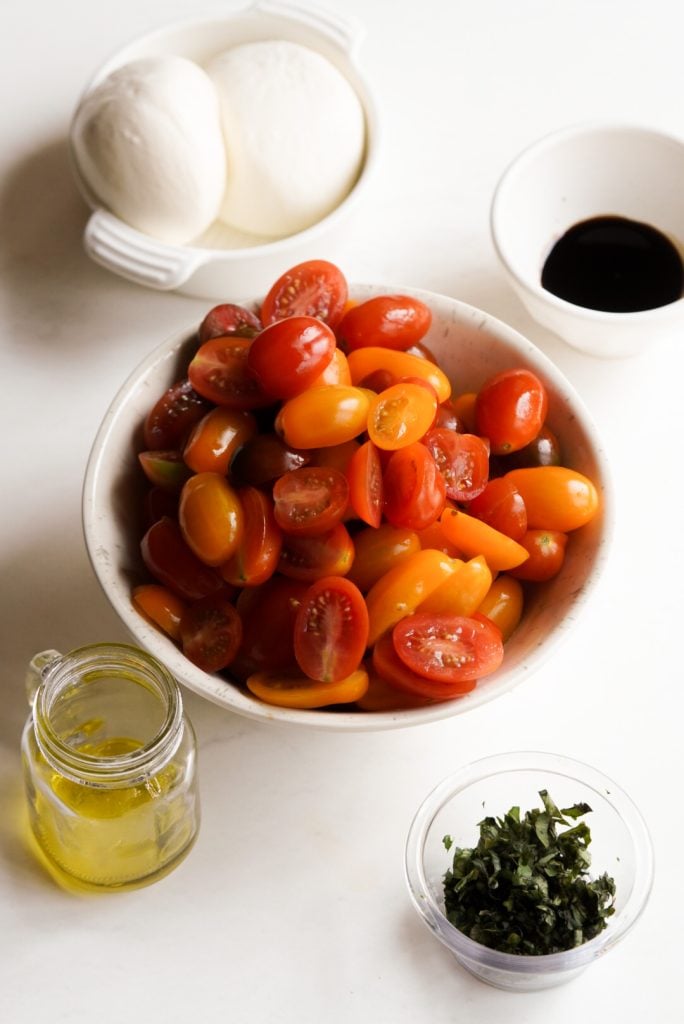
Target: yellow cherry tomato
{"type": "Point", "coordinates": [400, 415]}
{"type": "Point", "coordinates": [474, 537]}
{"type": "Point", "coordinates": [323, 417]}
{"type": "Point", "coordinates": [295, 690]}
{"type": "Point", "coordinates": [556, 498]}
{"type": "Point", "coordinates": [161, 606]}
{"type": "Point", "coordinates": [210, 517]}
{"type": "Point", "coordinates": [461, 593]}
{"type": "Point", "coordinates": [364, 361]}
{"type": "Point", "coordinates": [399, 592]}
{"type": "Point", "coordinates": [503, 604]}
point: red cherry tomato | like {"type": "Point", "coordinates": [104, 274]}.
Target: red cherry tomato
{"type": "Point", "coordinates": [220, 373]}
{"type": "Point", "coordinates": [510, 410]}
{"type": "Point", "coordinates": [312, 558]}
{"type": "Point", "coordinates": [392, 669]}
{"type": "Point", "coordinates": [448, 648]}
{"type": "Point", "coordinates": [265, 457]}
{"type": "Point", "coordinates": [414, 488]}
{"type": "Point", "coordinates": [364, 474]}
{"type": "Point", "coordinates": [315, 288]}
{"type": "Point", "coordinates": [501, 505]}
{"type": "Point", "coordinates": [229, 319]}
{"type": "Point", "coordinates": [211, 631]}
{"type": "Point", "coordinates": [258, 551]}
{"type": "Point", "coordinates": [331, 630]}
{"type": "Point", "coordinates": [159, 503]}
{"type": "Point", "coordinates": [447, 416]}
{"type": "Point", "coordinates": [288, 355]}
{"type": "Point", "coordinates": [268, 647]}
{"type": "Point", "coordinates": [169, 559]}
{"type": "Point", "coordinates": [547, 554]}
{"type": "Point", "coordinates": [392, 321]}
{"type": "Point", "coordinates": [310, 500]}
{"type": "Point", "coordinates": [462, 459]}
{"type": "Point", "coordinates": [173, 416]}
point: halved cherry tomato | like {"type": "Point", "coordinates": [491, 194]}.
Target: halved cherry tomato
{"type": "Point", "coordinates": [289, 354]}
{"type": "Point", "coordinates": [312, 558]}
{"type": "Point", "coordinates": [364, 475]}
{"type": "Point", "coordinates": [314, 288]}
{"type": "Point", "coordinates": [164, 469]}
{"type": "Point", "coordinates": [474, 537]}
{"type": "Point", "coordinates": [217, 437]}
{"type": "Point", "coordinates": [256, 557]}
{"type": "Point", "coordinates": [448, 418]}
{"type": "Point", "coordinates": [501, 505]}
{"type": "Point", "coordinates": [331, 630]}
{"type": "Point", "coordinates": [211, 517]}
{"type": "Point", "coordinates": [547, 554]}
{"type": "Point", "coordinates": [448, 648]}
{"type": "Point", "coordinates": [511, 409]}
{"type": "Point", "coordinates": [336, 372]}
{"type": "Point", "coordinates": [393, 321]}
{"type": "Point", "coordinates": [556, 498]}
{"type": "Point", "coordinates": [378, 551]}
{"type": "Point", "coordinates": [229, 319]}
{"type": "Point", "coordinates": [265, 457]}
{"type": "Point", "coordinates": [161, 606]}
{"type": "Point", "coordinates": [414, 489]}
{"type": "Point", "coordinates": [295, 690]}
{"type": "Point", "coordinates": [220, 373]}
{"type": "Point", "coordinates": [382, 696]}
{"type": "Point", "coordinates": [265, 647]}
{"type": "Point", "coordinates": [169, 559]}
{"type": "Point", "coordinates": [503, 604]}
{"type": "Point", "coordinates": [433, 536]}
{"type": "Point", "coordinates": [211, 632]}
{"type": "Point", "coordinates": [462, 459]}
{"type": "Point", "coordinates": [364, 361]}
{"type": "Point", "coordinates": [400, 415]}
{"type": "Point", "coordinates": [323, 417]}
{"type": "Point", "coordinates": [461, 593]}
{"type": "Point", "coordinates": [310, 500]}
{"type": "Point", "coordinates": [399, 592]}
{"type": "Point", "coordinates": [391, 668]}
{"type": "Point", "coordinates": [173, 416]}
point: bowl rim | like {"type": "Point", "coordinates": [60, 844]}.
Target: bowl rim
{"type": "Point", "coordinates": [517, 166]}
{"type": "Point", "coordinates": [167, 652]}
{"type": "Point", "coordinates": [510, 762]}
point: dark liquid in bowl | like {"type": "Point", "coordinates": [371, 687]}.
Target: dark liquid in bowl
{"type": "Point", "coordinates": [614, 264]}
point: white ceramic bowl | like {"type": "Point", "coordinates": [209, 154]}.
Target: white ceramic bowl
{"type": "Point", "coordinates": [470, 345]}
{"type": "Point", "coordinates": [620, 845]}
{"type": "Point", "coordinates": [580, 172]}
{"type": "Point", "coordinates": [214, 270]}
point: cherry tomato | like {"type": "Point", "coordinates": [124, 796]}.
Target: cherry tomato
{"type": "Point", "coordinates": [399, 592]}
{"type": "Point", "coordinates": [378, 551]}
{"type": "Point", "coordinates": [464, 407]}
{"type": "Point", "coordinates": [503, 604]}
{"type": "Point", "coordinates": [556, 498]}
{"type": "Point", "coordinates": [310, 500]}
{"type": "Point", "coordinates": [161, 606]}
{"type": "Point", "coordinates": [433, 536]}
{"type": "Point", "coordinates": [173, 416]}
{"type": "Point", "coordinates": [331, 630]}
{"type": "Point", "coordinates": [270, 646]}
{"type": "Point", "coordinates": [378, 380]}
{"type": "Point", "coordinates": [462, 592]}
{"type": "Point", "coordinates": [510, 410]}
{"type": "Point", "coordinates": [400, 415]}
{"type": "Point", "coordinates": [159, 503]}
{"type": "Point", "coordinates": [265, 457]}
{"type": "Point", "coordinates": [501, 505]}
{"type": "Point", "coordinates": [364, 361]}
{"type": "Point", "coordinates": [364, 475]}
{"type": "Point", "coordinates": [414, 489]}
{"type": "Point", "coordinates": [294, 690]}
{"type": "Point", "coordinates": [220, 373]}
{"type": "Point", "coordinates": [390, 667]}
{"type": "Point", "coordinates": [323, 417]}
{"type": "Point", "coordinates": [463, 461]}
{"type": "Point", "coordinates": [448, 418]}
{"type": "Point", "coordinates": [547, 554]}
{"type": "Point", "coordinates": [214, 441]}
{"type": "Point", "coordinates": [289, 354]}
{"type": "Point", "coordinates": [392, 321]}
{"type": "Point", "coordinates": [211, 632]}
{"type": "Point", "coordinates": [164, 469]}
{"type": "Point", "coordinates": [169, 559]}
{"type": "Point", "coordinates": [544, 450]}
{"type": "Point", "coordinates": [312, 558]}
{"type": "Point", "coordinates": [211, 517]}
{"type": "Point", "coordinates": [229, 319]}
{"type": "Point", "coordinates": [475, 537]}
{"type": "Point", "coordinates": [258, 551]}
{"type": "Point", "coordinates": [337, 456]}
{"type": "Point", "coordinates": [420, 349]}
{"type": "Point", "coordinates": [448, 648]}
{"type": "Point", "coordinates": [336, 372]}
{"type": "Point", "coordinates": [382, 696]}
{"type": "Point", "coordinates": [314, 288]}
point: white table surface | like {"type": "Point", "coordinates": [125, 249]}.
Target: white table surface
{"type": "Point", "coordinates": [292, 907]}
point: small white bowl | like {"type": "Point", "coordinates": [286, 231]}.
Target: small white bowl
{"type": "Point", "coordinates": [585, 171]}
{"type": "Point", "coordinates": [620, 846]}
{"type": "Point", "coordinates": [245, 266]}
{"type": "Point", "coordinates": [470, 346]}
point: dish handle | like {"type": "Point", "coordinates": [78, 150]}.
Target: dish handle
{"type": "Point", "coordinates": [345, 32]}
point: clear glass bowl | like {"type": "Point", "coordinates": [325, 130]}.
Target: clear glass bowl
{"type": "Point", "coordinates": [620, 845]}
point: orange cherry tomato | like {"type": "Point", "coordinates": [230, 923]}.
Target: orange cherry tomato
{"type": "Point", "coordinates": [461, 593]}
{"type": "Point", "coordinates": [400, 415]}
{"type": "Point", "coordinates": [364, 361]}
{"type": "Point", "coordinates": [220, 373]}
{"type": "Point", "coordinates": [312, 558]}
{"type": "Point", "coordinates": [258, 551]}
{"type": "Point", "coordinates": [503, 604]}
{"type": "Point", "coordinates": [433, 536]}
{"type": "Point", "coordinates": [393, 321]}
{"type": "Point", "coordinates": [382, 696]}
{"type": "Point", "coordinates": [391, 668]}
{"type": "Point", "coordinates": [310, 500]}
{"type": "Point", "coordinates": [161, 606]}
{"type": "Point", "coordinates": [556, 498]}
{"type": "Point", "coordinates": [211, 518]}
{"type": "Point", "coordinates": [288, 355]}
{"type": "Point", "coordinates": [217, 437]}
{"type": "Point", "coordinates": [322, 417]}
{"type": "Point", "coordinates": [364, 475]}
{"type": "Point", "coordinates": [474, 537]}
{"type": "Point", "coordinates": [295, 690]}
{"type": "Point", "coordinates": [402, 588]}
{"type": "Point", "coordinates": [464, 407]}
{"type": "Point", "coordinates": [378, 551]}
{"type": "Point", "coordinates": [338, 456]}
{"type": "Point", "coordinates": [448, 649]}
{"type": "Point", "coordinates": [547, 553]}
{"type": "Point", "coordinates": [501, 505]}
{"type": "Point", "coordinates": [331, 630]}
{"type": "Point", "coordinates": [211, 632]}
{"type": "Point", "coordinates": [336, 372]}
{"type": "Point", "coordinates": [313, 288]}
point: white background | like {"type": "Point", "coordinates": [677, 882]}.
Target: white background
{"type": "Point", "coordinates": [292, 906]}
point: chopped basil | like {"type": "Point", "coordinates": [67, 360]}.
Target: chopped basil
{"type": "Point", "coordinates": [525, 887]}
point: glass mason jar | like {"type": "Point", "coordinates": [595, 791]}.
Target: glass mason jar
{"type": "Point", "coordinates": [109, 763]}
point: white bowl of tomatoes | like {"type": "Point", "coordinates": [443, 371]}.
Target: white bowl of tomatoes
{"type": "Point", "coordinates": [347, 507]}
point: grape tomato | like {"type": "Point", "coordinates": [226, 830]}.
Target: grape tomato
{"type": "Point", "coordinates": [315, 288]}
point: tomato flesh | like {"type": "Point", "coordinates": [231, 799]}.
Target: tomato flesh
{"type": "Point", "coordinates": [310, 500]}
{"type": "Point", "coordinates": [173, 416]}
{"type": "Point", "coordinates": [331, 630]}
{"type": "Point", "coordinates": [364, 474]}
{"type": "Point", "coordinates": [394, 671]}
{"type": "Point", "coordinates": [226, 319]}
{"type": "Point", "coordinates": [220, 373]}
{"type": "Point", "coordinates": [463, 461]}
{"type": "Point", "coordinates": [448, 648]}
{"type": "Point", "coordinates": [314, 288]}
{"type": "Point", "coordinates": [210, 632]}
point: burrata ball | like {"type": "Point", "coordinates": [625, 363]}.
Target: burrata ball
{"type": "Point", "coordinates": [148, 143]}
{"type": "Point", "coordinates": [294, 132]}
